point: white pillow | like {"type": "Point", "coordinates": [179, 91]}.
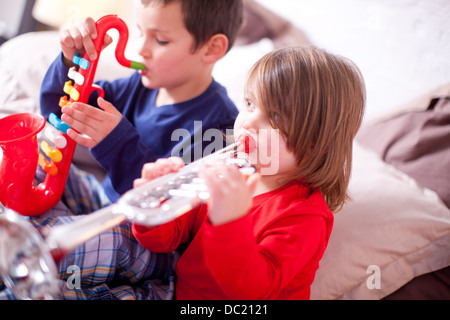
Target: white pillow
{"type": "Point", "coordinates": [25, 59]}
{"type": "Point", "coordinates": [392, 231]}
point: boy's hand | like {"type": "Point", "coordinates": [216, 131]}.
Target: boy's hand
{"type": "Point", "coordinates": [159, 168]}
{"type": "Point", "coordinates": [94, 123]}
{"type": "Point", "coordinates": [230, 194]}
{"type": "Point", "coordinates": [78, 39]}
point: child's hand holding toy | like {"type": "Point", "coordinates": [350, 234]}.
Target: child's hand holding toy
{"type": "Point", "coordinates": [92, 124]}
{"type": "Point", "coordinates": [78, 39]}
{"type": "Point", "coordinates": [230, 193]}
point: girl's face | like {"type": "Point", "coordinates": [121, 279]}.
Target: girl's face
{"type": "Point", "coordinates": [167, 46]}
{"type": "Point", "coordinates": [270, 155]}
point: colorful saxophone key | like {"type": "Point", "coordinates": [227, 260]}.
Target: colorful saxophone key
{"type": "Point", "coordinates": [82, 62]}
{"type": "Point", "coordinates": [58, 123]}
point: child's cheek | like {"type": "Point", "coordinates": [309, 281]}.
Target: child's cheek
{"type": "Point", "coordinates": [238, 123]}
{"type": "Point", "coordinates": [269, 155]}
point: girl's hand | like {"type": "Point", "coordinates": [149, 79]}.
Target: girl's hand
{"type": "Point", "coordinates": [80, 39]}
{"type": "Point", "coordinates": [94, 123]}
{"type": "Point", "coordinates": [159, 168]}
{"type": "Point", "coordinates": [230, 194]}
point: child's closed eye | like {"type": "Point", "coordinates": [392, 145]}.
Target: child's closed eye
{"type": "Point", "coordinates": [162, 42]}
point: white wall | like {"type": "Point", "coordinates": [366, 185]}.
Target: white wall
{"type": "Point", "coordinates": [402, 47]}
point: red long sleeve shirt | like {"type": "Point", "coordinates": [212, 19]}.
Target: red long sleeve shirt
{"type": "Point", "coordinates": [271, 253]}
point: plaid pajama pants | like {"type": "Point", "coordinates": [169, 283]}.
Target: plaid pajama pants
{"type": "Point", "coordinates": [111, 265]}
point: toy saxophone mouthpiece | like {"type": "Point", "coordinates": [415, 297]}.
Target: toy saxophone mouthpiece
{"type": "Point", "coordinates": [18, 134]}
{"type": "Point", "coordinates": [247, 142]}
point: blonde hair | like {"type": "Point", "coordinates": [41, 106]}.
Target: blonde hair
{"type": "Point", "coordinates": [316, 100]}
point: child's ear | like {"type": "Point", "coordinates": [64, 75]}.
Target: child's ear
{"type": "Point", "coordinates": [216, 48]}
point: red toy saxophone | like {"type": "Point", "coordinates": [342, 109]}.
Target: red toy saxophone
{"type": "Point", "coordinates": [18, 135]}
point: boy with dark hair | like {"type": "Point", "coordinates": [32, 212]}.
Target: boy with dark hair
{"type": "Point", "coordinates": [133, 125]}
{"type": "Point", "coordinates": [136, 121]}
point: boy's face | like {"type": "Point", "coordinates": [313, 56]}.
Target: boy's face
{"type": "Point", "coordinates": [271, 155]}
{"type": "Point", "coordinates": [167, 47]}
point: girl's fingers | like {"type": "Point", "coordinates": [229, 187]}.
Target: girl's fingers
{"type": "Point", "coordinates": [161, 167]}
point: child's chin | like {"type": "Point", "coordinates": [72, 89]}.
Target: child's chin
{"type": "Point", "coordinates": [147, 83]}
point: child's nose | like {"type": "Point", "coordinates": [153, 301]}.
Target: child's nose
{"type": "Point", "coordinates": [254, 120]}
{"type": "Point", "coordinates": [250, 124]}
{"type": "Point", "coordinates": [144, 51]}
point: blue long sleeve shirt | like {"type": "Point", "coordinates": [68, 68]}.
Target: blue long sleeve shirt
{"type": "Point", "coordinates": [146, 132]}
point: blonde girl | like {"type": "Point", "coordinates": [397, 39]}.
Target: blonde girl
{"type": "Point", "coordinates": [263, 238]}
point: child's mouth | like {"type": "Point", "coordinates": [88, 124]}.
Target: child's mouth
{"type": "Point", "coordinates": [248, 143]}
{"type": "Point", "coordinates": [143, 72]}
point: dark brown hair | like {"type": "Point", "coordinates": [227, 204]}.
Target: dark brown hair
{"type": "Point", "coordinates": [206, 18]}
{"type": "Point", "coordinates": [316, 100]}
